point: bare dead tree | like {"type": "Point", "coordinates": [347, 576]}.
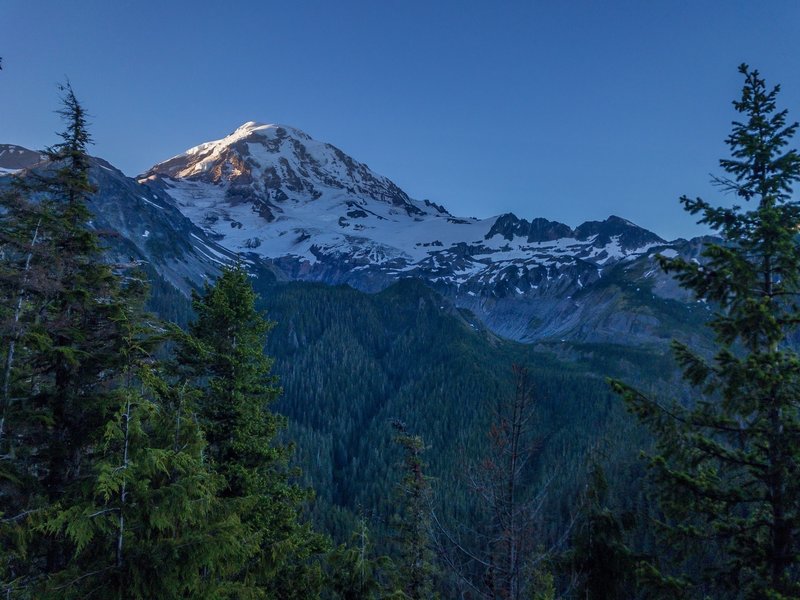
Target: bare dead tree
{"type": "Point", "coordinates": [494, 558]}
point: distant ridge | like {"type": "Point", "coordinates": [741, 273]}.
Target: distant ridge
{"type": "Point", "coordinates": [294, 208]}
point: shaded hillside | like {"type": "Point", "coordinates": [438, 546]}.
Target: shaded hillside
{"type": "Point", "coordinates": [350, 362]}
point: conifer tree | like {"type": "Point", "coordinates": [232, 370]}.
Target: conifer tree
{"type": "Point", "coordinates": [413, 521]}
{"type": "Point", "coordinates": [224, 356]}
{"type": "Point", "coordinates": [61, 338]}
{"type": "Point", "coordinates": [104, 492]}
{"type": "Point", "coordinates": [727, 460]}
{"type": "Point", "coordinates": [599, 557]}
{"type": "Point", "coordinates": [146, 520]}
{"type": "Point", "coordinates": [356, 573]}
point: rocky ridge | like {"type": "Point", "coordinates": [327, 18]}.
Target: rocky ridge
{"type": "Point", "coordinates": [304, 210]}
{"type": "Point", "coordinates": [276, 196]}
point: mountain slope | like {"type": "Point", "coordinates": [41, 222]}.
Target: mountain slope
{"type": "Point", "coordinates": [138, 224]}
{"type": "Point", "coordinates": [350, 363]}
{"type": "Point", "coordinates": [312, 213]}
{"type": "Point", "coordinates": [14, 159]}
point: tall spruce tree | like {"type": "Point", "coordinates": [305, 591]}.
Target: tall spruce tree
{"type": "Point", "coordinates": [60, 340]}
{"type": "Point", "coordinates": [727, 460]}
{"type": "Point", "coordinates": [103, 490]}
{"type": "Point", "coordinates": [412, 522]}
{"type": "Point", "coordinates": [223, 355]}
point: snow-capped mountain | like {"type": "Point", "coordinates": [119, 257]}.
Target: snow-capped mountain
{"type": "Point", "coordinates": [311, 212]}
{"type": "Point", "coordinates": [304, 210]}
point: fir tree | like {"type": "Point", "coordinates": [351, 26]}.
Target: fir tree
{"type": "Point", "coordinates": [727, 461]}
{"type": "Point", "coordinates": [104, 490]}
{"type": "Point", "coordinates": [599, 557]}
{"type": "Point", "coordinates": [224, 357]}
{"type": "Point", "coordinates": [412, 521]}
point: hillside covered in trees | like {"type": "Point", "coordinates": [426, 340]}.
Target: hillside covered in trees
{"type": "Point", "coordinates": [274, 439]}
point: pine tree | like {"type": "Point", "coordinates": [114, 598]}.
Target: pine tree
{"type": "Point", "coordinates": [727, 460]}
{"type": "Point", "coordinates": [224, 356]}
{"type": "Point", "coordinates": [599, 557]}
{"type": "Point", "coordinates": [104, 492]}
{"type": "Point", "coordinates": [413, 522]}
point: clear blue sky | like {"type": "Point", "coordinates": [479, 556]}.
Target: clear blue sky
{"type": "Point", "coordinates": [570, 110]}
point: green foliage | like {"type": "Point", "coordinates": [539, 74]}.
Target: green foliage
{"type": "Point", "coordinates": [350, 362]}
{"type": "Point", "coordinates": [225, 354]}
{"type": "Point", "coordinates": [599, 557]}
{"type": "Point", "coordinates": [223, 358]}
{"type": "Point", "coordinates": [542, 584]}
{"type": "Point", "coordinates": [412, 521]}
{"type": "Point", "coordinates": [357, 573]}
{"type": "Point", "coordinates": [500, 552]}
{"type": "Point", "coordinates": [104, 490]}
{"type": "Point", "coordinates": [727, 460]}
{"type": "Point", "coordinates": [62, 344]}
{"type": "Point", "coordinates": [150, 525]}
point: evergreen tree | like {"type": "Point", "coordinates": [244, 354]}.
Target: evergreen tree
{"type": "Point", "coordinates": [146, 520]}
{"type": "Point", "coordinates": [599, 557]}
{"type": "Point", "coordinates": [104, 492]}
{"type": "Point", "coordinates": [20, 285]}
{"type": "Point", "coordinates": [727, 460]}
{"type": "Point", "coordinates": [224, 356]}
{"type": "Point", "coordinates": [355, 573]}
{"type": "Point", "coordinates": [413, 521]}
{"type": "Point", "coordinates": [61, 340]}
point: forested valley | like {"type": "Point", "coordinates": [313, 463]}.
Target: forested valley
{"type": "Point", "coordinates": [275, 439]}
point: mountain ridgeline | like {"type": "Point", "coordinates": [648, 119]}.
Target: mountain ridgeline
{"type": "Point", "coordinates": [302, 210]}
{"type": "Point", "coordinates": [388, 307]}
{"type": "Point", "coordinates": [468, 400]}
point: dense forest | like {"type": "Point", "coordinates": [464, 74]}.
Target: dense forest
{"type": "Point", "coordinates": [267, 439]}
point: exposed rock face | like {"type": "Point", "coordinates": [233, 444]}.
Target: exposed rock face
{"type": "Point", "coordinates": [304, 210]}
{"type": "Point", "coordinates": [628, 236]}
{"type": "Point", "coordinates": [313, 213]}
{"type": "Point", "coordinates": [15, 158]}
{"type": "Point", "coordinates": [538, 230]}
{"type": "Point", "coordinates": [141, 225]}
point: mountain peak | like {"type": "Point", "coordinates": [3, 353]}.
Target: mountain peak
{"type": "Point", "coordinates": [628, 235]}
{"type": "Point", "coordinates": [269, 166]}
{"type": "Point", "coordinates": [251, 131]}
{"type": "Point", "coordinates": [264, 130]}
{"type": "Point", "coordinates": [250, 125]}
{"type": "Point", "coordinates": [538, 230]}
